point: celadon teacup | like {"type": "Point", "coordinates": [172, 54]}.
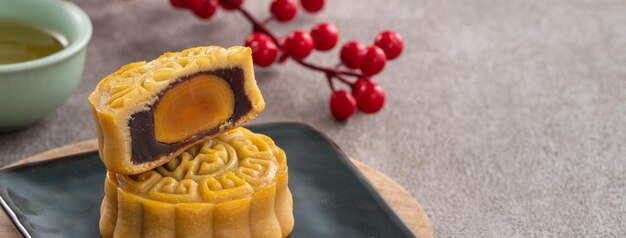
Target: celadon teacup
{"type": "Point", "coordinates": [30, 90]}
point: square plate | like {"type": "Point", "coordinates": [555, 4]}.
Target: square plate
{"type": "Point", "coordinates": [61, 197]}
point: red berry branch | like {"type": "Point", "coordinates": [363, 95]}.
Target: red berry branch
{"type": "Point", "coordinates": [358, 62]}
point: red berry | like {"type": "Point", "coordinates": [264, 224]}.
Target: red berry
{"type": "Point", "coordinates": [264, 50]}
{"type": "Point", "coordinates": [370, 98]}
{"type": "Point", "coordinates": [256, 36]}
{"type": "Point", "coordinates": [194, 4]}
{"type": "Point", "coordinates": [351, 54]}
{"type": "Point", "coordinates": [312, 5]}
{"type": "Point", "coordinates": [207, 10]}
{"type": "Point", "coordinates": [230, 4]}
{"type": "Point", "coordinates": [342, 105]}
{"type": "Point", "coordinates": [264, 53]}
{"type": "Point", "coordinates": [179, 3]}
{"type": "Point", "coordinates": [284, 10]}
{"type": "Point", "coordinates": [359, 86]}
{"type": "Point", "coordinates": [373, 60]}
{"type": "Point", "coordinates": [299, 44]}
{"type": "Point", "coordinates": [391, 43]}
{"type": "Point", "coordinates": [325, 36]}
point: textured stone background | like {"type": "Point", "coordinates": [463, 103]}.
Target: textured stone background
{"type": "Point", "coordinates": [504, 118]}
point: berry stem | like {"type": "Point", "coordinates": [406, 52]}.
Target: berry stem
{"type": "Point", "coordinates": [268, 20]}
{"type": "Point", "coordinates": [260, 27]}
{"type": "Point", "coordinates": [343, 80]}
{"type": "Point", "coordinates": [333, 71]}
{"type": "Point", "coordinates": [330, 72]}
{"type": "Point", "coordinates": [329, 79]}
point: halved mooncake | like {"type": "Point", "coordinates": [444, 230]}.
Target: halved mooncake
{"type": "Point", "coordinates": [234, 185]}
{"type": "Point", "coordinates": [148, 112]}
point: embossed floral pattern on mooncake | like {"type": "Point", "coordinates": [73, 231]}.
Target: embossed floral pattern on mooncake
{"type": "Point", "coordinates": [232, 186]}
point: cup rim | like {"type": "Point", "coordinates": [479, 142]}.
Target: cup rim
{"type": "Point", "coordinates": [74, 47]}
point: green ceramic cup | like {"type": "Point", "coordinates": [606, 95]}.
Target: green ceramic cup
{"type": "Point", "coordinates": [30, 90]}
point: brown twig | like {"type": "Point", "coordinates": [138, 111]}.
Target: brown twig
{"type": "Point", "coordinates": [331, 72]}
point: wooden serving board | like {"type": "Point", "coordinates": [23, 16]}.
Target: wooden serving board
{"type": "Point", "coordinates": [400, 200]}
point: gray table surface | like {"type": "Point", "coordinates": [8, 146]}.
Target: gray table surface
{"type": "Point", "coordinates": [503, 118]}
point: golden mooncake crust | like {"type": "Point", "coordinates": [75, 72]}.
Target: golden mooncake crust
{"type": "Point", "coordinates": [121, 97]}
{"type": "Point", "coordinates": [234, 185]}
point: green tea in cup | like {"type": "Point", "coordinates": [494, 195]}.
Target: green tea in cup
{"type": "Point", "coordinates": [20, 41]}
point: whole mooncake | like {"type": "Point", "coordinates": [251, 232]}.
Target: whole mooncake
{"type": "Point", "coordinates": [148, 112]}
{"type": "Point", "coordinates": [234, 185]}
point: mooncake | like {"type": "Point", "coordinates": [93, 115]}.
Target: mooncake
{"type": "Point", "coordinates": [148, 112]}
{"type": "Point", "coordinates": [234, 185]}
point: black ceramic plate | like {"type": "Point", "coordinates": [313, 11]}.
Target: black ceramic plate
{"type": "Point", "coordinates": [61, 197]}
